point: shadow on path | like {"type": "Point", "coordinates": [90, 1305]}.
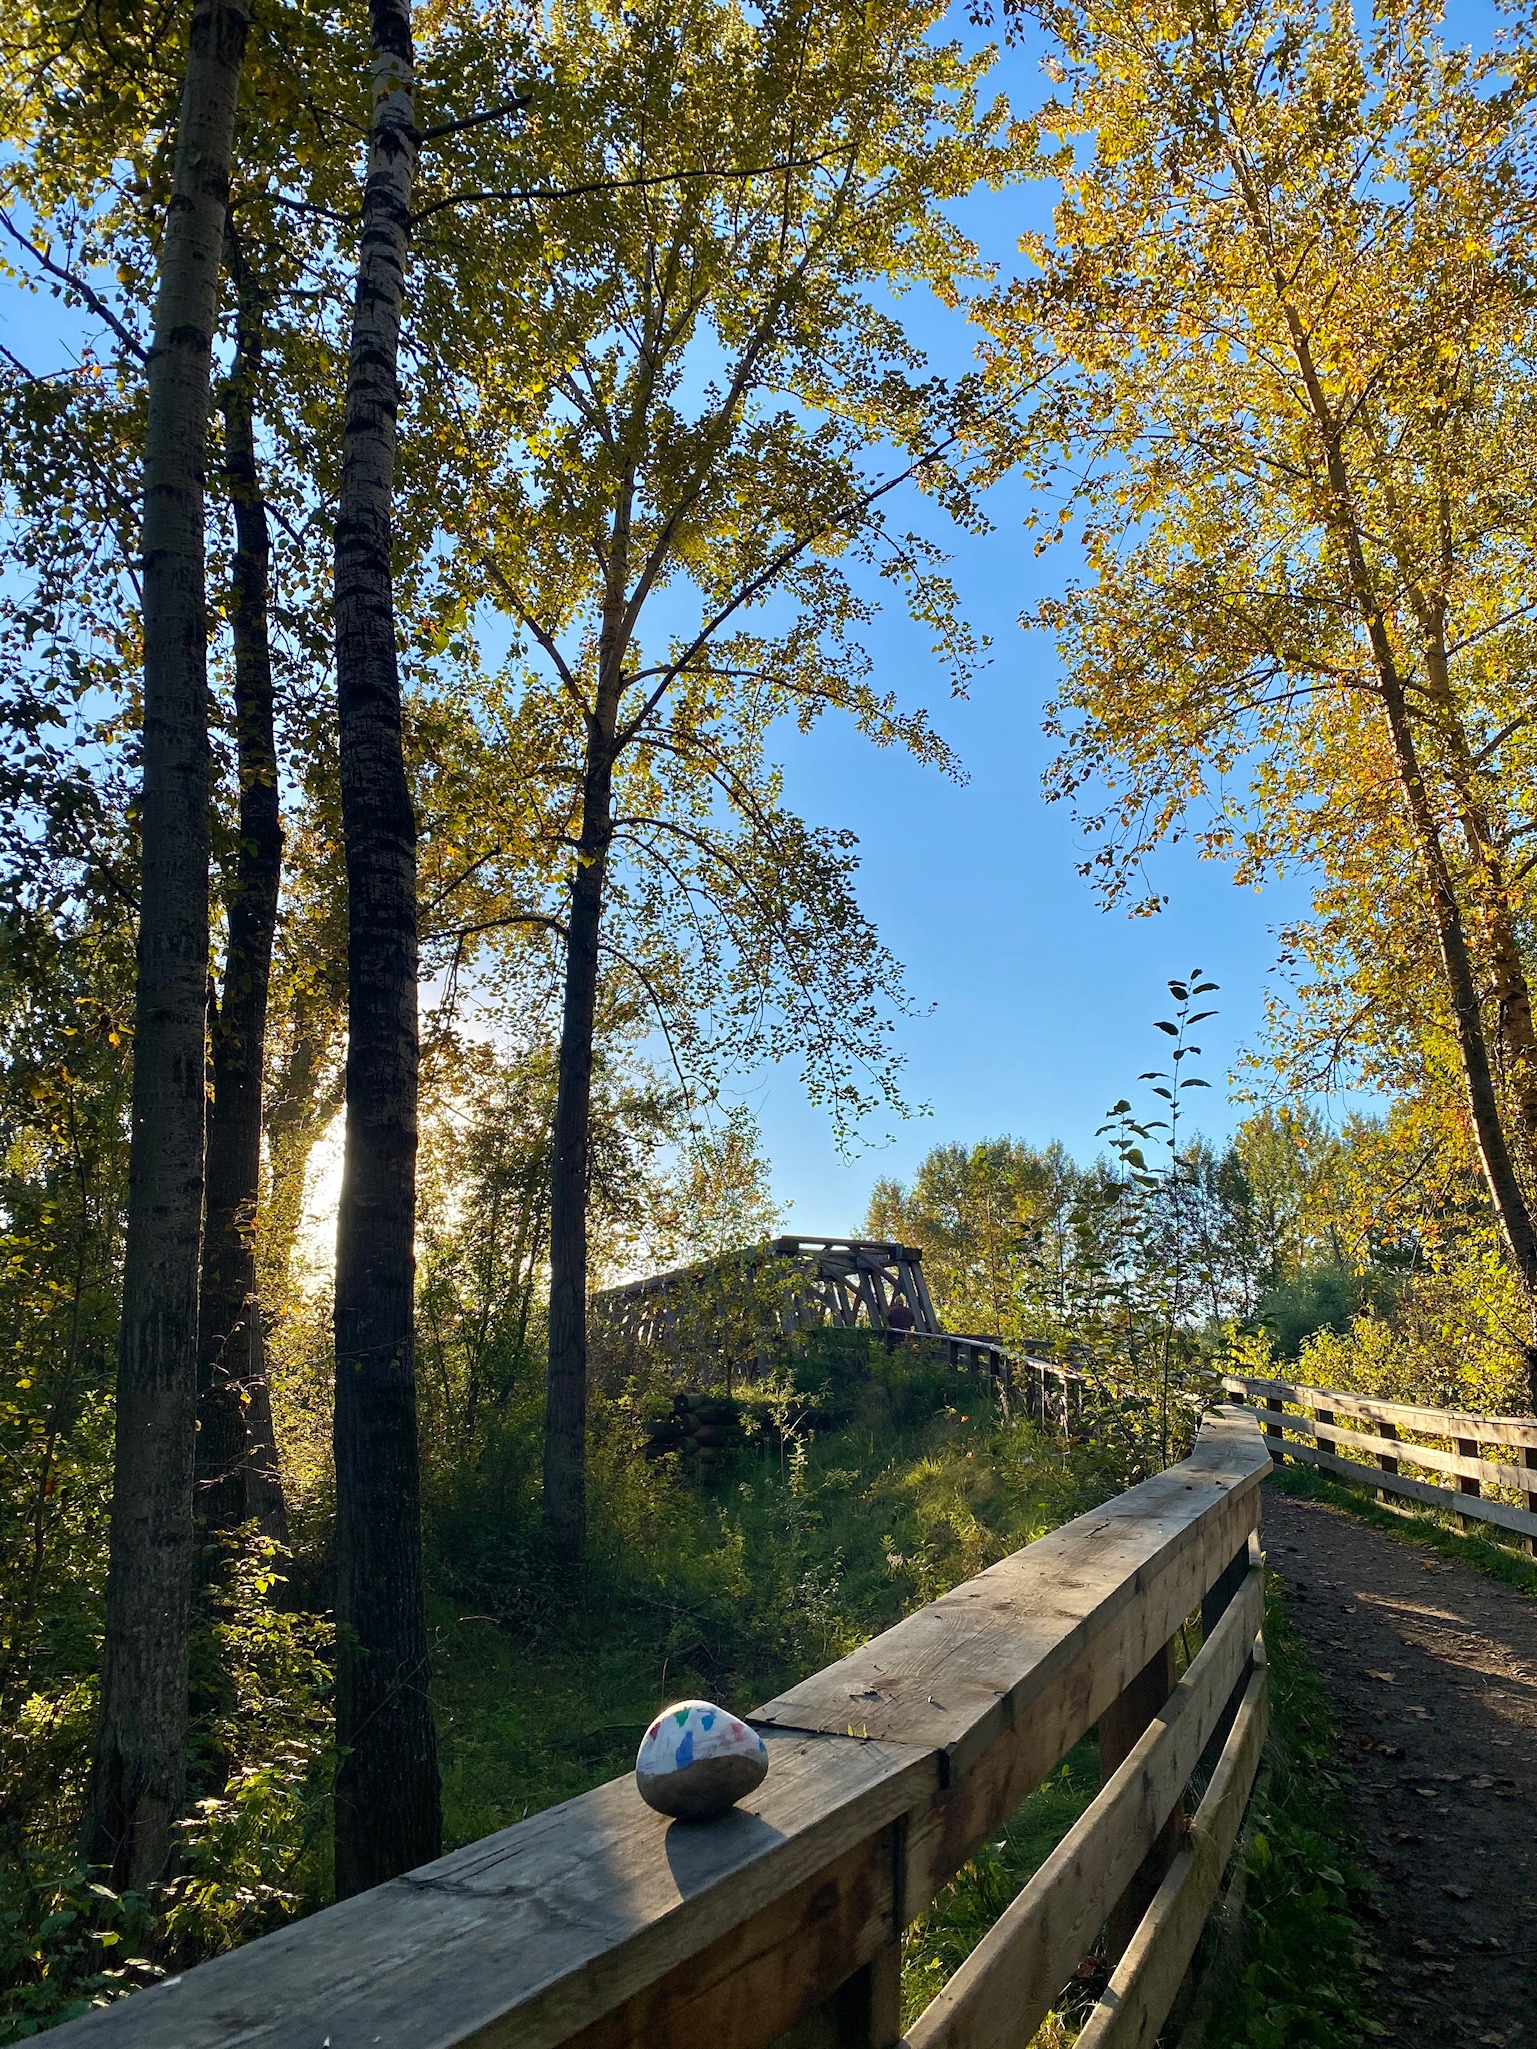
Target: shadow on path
{"type": "Point", "coordinates": [1432, 1668]}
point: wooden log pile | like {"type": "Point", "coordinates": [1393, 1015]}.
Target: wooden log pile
{"type": "Point", "coordinates": [703, 1429]}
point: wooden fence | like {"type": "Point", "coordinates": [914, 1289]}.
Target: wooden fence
{"type": "Point", "coordinates": [1044, 1388]}
{"type": "Point", "coordinates": [1369, 1443]}
{"type": "Point", "coordinates": [599, 1924]}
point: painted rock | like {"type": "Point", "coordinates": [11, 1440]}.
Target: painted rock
{"type": "Point", "coordinates": [696, 1760]}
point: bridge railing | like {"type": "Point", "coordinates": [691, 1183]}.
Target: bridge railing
{"type": "Point", "coordinates": [1368, 1442]}
{"type": "Point", "coordinates": [1047, 1389]}
{"type": "Point", "coordinates": [600, 1924]}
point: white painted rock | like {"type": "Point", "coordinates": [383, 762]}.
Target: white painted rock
{"type": "Point", "coordinates": [696, 1760]}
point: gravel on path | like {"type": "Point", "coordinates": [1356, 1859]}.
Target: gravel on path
{"type": "Point", "coordinates": [1432, 1669]}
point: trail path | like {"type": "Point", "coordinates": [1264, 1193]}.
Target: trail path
{"type": "Point", "coordinates": [1432, 1668]}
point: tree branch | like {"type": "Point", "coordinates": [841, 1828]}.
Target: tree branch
{"type": "Point", "coordinates": [532, 192]}
{"type": "Point", "coordinates": [77, 284]}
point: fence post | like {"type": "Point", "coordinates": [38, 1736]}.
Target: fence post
{"type": "Point", "coordinates": [1119, 1727]}
{"type": "Point", "coordinates": [1467, 1447]}
{"type": "Point", "coordinates": [1388, 1464]}
{"type": "Point", "coordinates": [1275, 1444]}
{"type": "Point", "coordinates": [1529, 1462]}
{"type": "Point", "coordinates": [866, 2010]}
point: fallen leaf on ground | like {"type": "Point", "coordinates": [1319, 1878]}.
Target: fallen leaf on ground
{"type": "Point", "coordinates": [1387, 1678]}
{"type": "Point", "coordinates": [1458, 1892]}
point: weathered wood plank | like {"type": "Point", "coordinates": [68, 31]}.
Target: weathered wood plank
{"type": "Point", "coordinates": [1467, 1466]}
{"type": "Point", "coordinates": [1005, 1988]}
{"type": "Point", "coordinates": [534, 1934]}
{"type": "Point", "coordinates": [1147, 1979]}
{"type": "Point", "coordinates": [766, 1971]}
{"type": "Point", "coordinates": [1120, 1727]}
{"type": "Point", "coordinates": [1500, 1513]}
{"type": "Point", "coordinates": [1089, 1632]}
{"type": "Point", "coordinates": [1517, 1430]}
{"type": "Point", "coordinates": [973, 1664]}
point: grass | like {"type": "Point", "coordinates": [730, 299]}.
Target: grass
{"type": "Point", "coordinates": [1282, 1968]}
{"type": "Point", "coordinates": [939, 1941]}
{"type": "Point", "coordinates": [730, 1589]}
{"type": "Point", "coordinates": [734, 1588]}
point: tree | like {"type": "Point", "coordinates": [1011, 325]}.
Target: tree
{"type": "Point", "coordinates": [1288, 282]}
{"type": "Point", "coordinates": [236, 1467]}
{"type": "Point", "coordinates": [995, 1224]}
{"type": "Point", "coordinates": [140, 1756]}
{"type": "Point", "coordinates": [387, 1789]}
{"type": "Point", "coordinates": [676, 388]}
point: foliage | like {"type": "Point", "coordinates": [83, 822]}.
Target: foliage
{"type": "Point", "coordinates": [1289, 1972]}
{"type": "Point", "coordinates": [253, 1853]}
{"type": "Point", "coordinates": [68, 1943]}
{"type": "Point", "coordinates": [671, 398]}
{"type": "Point", "coordinates": [733, 1589]}
{"type": "Point", "coordinates": [1289, 294]}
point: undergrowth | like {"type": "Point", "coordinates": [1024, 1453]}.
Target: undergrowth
{"type": "Point", "coordinates": [730, 1589]}
{"type": "Point", "coordinates": [1284, 1966]}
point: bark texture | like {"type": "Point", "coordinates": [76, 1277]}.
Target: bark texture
{"type": "Point", "coordinates": [138, 1770]}
{"type": "Point", "coordinates": [387, 1792]}
{"type": "Point", "coordinates": [565, 1416]}
{"type": "Point", "coordinates": [565, 1419]}
{"type": "Point", "coordinates": [237, 1476]}
{"type": "Point", "coordinates": [1517, 1225]}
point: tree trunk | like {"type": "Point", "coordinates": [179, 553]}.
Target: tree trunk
{"type": "Point", "coordinates": [1500, 1178]}
{"type": "Point", "coordinates": [1493, 911]}
{"type": "Point", "coordinates": [565, 1417]}
{"type": "Point", "coordinates": [387, 1791]}
{"type": "Point", "coordinates": [237, 1475]}
{"type": "Point", "coordinates": [137, 1775]}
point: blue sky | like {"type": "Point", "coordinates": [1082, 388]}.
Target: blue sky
{"type": "Point", "coordinates": [1037, 1006]}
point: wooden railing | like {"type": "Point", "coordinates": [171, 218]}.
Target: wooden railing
{"type": "Point", "coordinates": [599, 1924]}
{"type": "Point", "coordinates": [1044, 1388]}
{"type": "Point", "coordinates": [1368, 1442]}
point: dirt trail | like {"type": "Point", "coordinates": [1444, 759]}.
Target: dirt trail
{"type": "Point", "coordinates": [1433, 1672]}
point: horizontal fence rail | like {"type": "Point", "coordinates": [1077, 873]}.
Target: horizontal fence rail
{"type": "Point", "coordinates": [600, 1924]}
{"type": "Point", "coordinates": [1355, 1438]}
